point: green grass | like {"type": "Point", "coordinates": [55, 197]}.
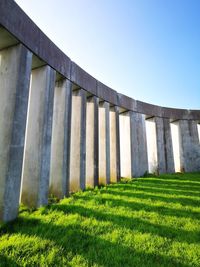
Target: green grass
{"type": "Point", "coordinates": [153, 221]}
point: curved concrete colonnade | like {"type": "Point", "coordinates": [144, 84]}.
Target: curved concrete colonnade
{"type": "Point", "coordinates": [61, 130]}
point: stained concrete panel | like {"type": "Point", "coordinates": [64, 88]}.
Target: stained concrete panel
{"type": "Point", "coordinates": [78, 141]}
{"type": "Point", "coordinates": [125, 145]}
{"type": "Point", "coordinates": [152, 145]}
{"type": "Point", "coordinates": [104, 143]}
{"type": "Point", "coordinates": [60, 146]}
{"type": "Point", "coordinates": [15, 69]}
{"type": "Point", "coordinates": [164, 146]}
{"type": "Point", "coordinates": [92, 123]}
{"type": "Point", "coordinates": [36, 164]}
{"type": "Point", "coordinates": [189, 146]}
{"type": "Point", "coordinates": [138, 144]}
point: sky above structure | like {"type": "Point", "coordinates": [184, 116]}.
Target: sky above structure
{"type": "Point", "coordinates": [146, 49]}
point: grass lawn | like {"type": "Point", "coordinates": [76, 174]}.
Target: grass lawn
{"type": "Point", "coordinates": [153, 221]}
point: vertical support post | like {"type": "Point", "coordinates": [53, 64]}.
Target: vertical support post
{"type": "Point", "coordinates": [92, 154]}
{"type": "Point", "coordinates": [60, 147]}
{"type": "Point", "coordinates": [36, 165]}
{"type": "Point", "coordinates": [114, 145]}
{"type": "Point", "coordinates": [189, 147]}
{"type": "Point", "coordinates": [78, 141]}
{"type": "Point", "coordinates": [104, 143]}
{"type": "Point", "coordinates": [15, 70]}
{"type": "Point", "coordinates": [125, 145]}
{"type": "Point", "coordinates": [164, 146]}
{"type": "Point", "coordinates": [139, 160]}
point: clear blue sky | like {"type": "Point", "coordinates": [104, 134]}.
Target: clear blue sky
{"type": "Point", "coordinates": [146, 49]}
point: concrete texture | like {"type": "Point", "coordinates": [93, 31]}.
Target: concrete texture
{"type": "Point", "coordinates": [125, 145]}
{"type": "Point", "coordinates": [164, 146]}
{"type": "Point", "coordinates": [152, 145]}
{"type": "Point", "coordinates": [138, 144]}
{"type": "Point", "coordinates": [36, 165]}
{"type": "Point", "coordinates": [113, 145]}
{"type": "Point", "coordinates": [189, 146]}
{"type": "Point", "coordinates": [92, 150]}
{"type": "Point", "coordinates": [15, 69]}
{"type": "Point", "coordinates": [60, 146]}
{"type": "Point", "coordinates": [104, 143]}
{"type": "Point", "coordinates": [78, 141]}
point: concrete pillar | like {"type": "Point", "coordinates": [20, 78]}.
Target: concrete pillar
{"type": "Point", "coordinates": [15, 70]}
{"type": "Point", "coordinates": [176, 145]}
{"type": "Point", "coordinates": [36, 165]}
{"type": "Point", "coordinates": [152, 145]}
{"type": "Point", "coordinates": [92, 141]}
{"type": "Point", "coordinates": [164, 146]}
{"type": "Point", "coordinates": [78, 141]}
{"type": "Point", "coordinates": [60, 146]}
{"type": "Point", "coordinates": [189, 146]}
{"type": "Point", "coordinates": [104, 143]}
{"type": "Point", "coordinates": [139, 158]}
{"type": "Point", "coordinates": [125, 145]}
{"type": "Point", "coordinates": [114, 145]}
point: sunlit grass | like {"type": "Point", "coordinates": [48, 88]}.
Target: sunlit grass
{"type": "Point", "coordinates": [153, 221]}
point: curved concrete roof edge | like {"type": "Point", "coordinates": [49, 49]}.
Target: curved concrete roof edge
{"type": "Point", "coordinates": [28, 33]}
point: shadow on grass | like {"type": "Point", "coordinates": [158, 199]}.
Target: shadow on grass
{"type": "Point", "coordinates": [7, 262]}
{"type": "Point", "coordinates": [74, 239]}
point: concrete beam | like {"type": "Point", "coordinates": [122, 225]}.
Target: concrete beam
{"type": "Point", "coordinates": [139, 160]}
{"type": "Point", "coordinates": [164, 146]}
{"type": "Point", "coordinates": [36, 165]}
{"type": "Point", "coordinates": [78, 141]}
{"type": "Point", "coordinates": [189, 146]}
{"type": "Point", "coordinates": [125, 145]}
{"type": "Point", "coordinates": [60, 146]}
{"type": "Point", "coordinates": [104, 143]}
{"type": "Point", "coordinates": [92, 142]}
{"type": "Point", "coordinates": [15, 70]}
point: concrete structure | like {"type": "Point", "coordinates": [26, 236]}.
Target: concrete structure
{"type": "Point", "coordinates": [36, 165]}
{"type": "Point", "coordinates": [98, 135]}
{"type": "Point", "coordinates": [104, 143]}
{"type": "Point", "coordinates": [78, 141]}
{"type": "Point", "coordinates": [15, 68]}
{"type": "Point", "coordinates": [139, 157]}
{"type": "Point", "coordinates": [60, 146]}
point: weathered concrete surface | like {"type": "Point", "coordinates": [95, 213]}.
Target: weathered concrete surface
{"type": "Point", "coordinates": [113, 145]}
{"type": "Point", "coordinates": [152, 145]}
{"type": "Point", "coordinates": [138, 144]}
{"type": "Point", "coordinates": [189, 146]}
{"type": "Point", "coordinates": [60, 146]}
{"type": "Point", "coordinates": [15, 70]}
{"type": "Point", "coordinates": [104, 143]}
{"type": "Point", "coordinates": [125, 145]}
{"type": "Point", "coordinates": [36, 165]}
{"type": "Point", "coordinates": [92, 149]}
{"type": "Point", "coordinates": [164, 146]}
{"type": "Point", "coordinates": [78, 141]}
